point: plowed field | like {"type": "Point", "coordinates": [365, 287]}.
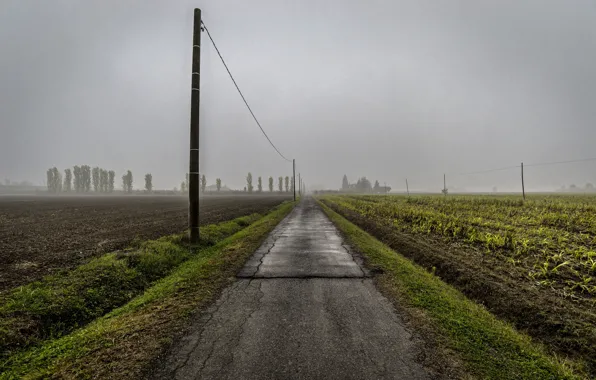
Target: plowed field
{"type": "Point", "coordinates": [42, 235]}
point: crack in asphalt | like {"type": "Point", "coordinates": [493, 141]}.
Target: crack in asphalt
{"type": "Point", "coordinates": [263, 257]}
{"type": "Point", "coordinates": [210, 314]}
{"type": "Point", "coordinates": [213, 343]}
{"type": "Point", "coordinates": [248, 318]}
{"type": "Point", "coordinates": [276, 236]}
{"type": "Point", "coordinates": [310, 276]}
{"type": "Point", "coordinates": [236, 337]}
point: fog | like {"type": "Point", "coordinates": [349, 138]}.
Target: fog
{"type": "Point", "coordinates": [384, 89]}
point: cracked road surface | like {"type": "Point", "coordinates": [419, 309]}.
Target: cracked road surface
{"type": "Point", "coordinates": [302, 308]}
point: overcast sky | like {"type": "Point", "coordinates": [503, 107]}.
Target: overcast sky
{"type": "Point", "coordinates": [383, 89]}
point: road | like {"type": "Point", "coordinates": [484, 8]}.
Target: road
{"type": "Point", "coordinates": [303, 307]}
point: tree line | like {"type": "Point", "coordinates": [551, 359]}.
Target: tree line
{"type": "Point", "coordinates": [286, 183]}
{"type": "Point", "coordinates": [281, 181]}
{"type": "Point", "coordinates": [81, 178]}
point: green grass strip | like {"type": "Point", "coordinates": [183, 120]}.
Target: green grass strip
{"type": "Point", "coordinates": [60, 303]}
{"type": "Point", "coordinates": [123, 343]}
{"type": "Point", "coordinates": [488, 347]}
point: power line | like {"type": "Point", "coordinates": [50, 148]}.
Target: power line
{"type": "Point", "coordinates": [529, 165]}
{"type": "Point", "coordinates": [562, 162]}
{"type": "Point", "coordinates": [240, 92]}
{"type": "Point", "coordinates": [490, 170]}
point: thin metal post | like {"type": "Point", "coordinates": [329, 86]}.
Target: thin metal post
{"type": "Point", "coordinates": [522, 177]}
{"type": "Point", "coordinates": [294, 176]}
{"type": "Point", "coordinates": [193, 175]}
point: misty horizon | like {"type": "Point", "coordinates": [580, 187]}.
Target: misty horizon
{"type": "Point", "coordinates": [411, 89]}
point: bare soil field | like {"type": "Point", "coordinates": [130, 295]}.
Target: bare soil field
{"type": "Point", "coordinates": [40, 235]}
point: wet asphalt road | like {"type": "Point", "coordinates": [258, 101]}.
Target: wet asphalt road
{"type": "Point", "coordinates": [302, 308]}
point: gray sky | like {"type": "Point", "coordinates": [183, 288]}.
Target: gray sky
{"type": "Point", "coordinates": [386, 89]}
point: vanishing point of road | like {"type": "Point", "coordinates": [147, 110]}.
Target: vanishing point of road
{"type": "Point", "coordinates": [303, 307]}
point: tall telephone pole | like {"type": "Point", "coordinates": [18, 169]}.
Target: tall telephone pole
{"type": "Point", "coordinates": [299, 184]}
{"type": "Point", "coordinates": [294, 176]}
{"type": "Point", "coordinates": [193, 175]}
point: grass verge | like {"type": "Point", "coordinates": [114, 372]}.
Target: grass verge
{"type": "Point", "coordinates": [124, 342]}
{"type": "Point", "coordinates": [487, 347]}
{"type": "Point", "coordinates": [60, 303]}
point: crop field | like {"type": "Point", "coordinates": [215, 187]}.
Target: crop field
{"type": "Point", "coordinates": [531, 263]}
{"type": "Point", "coordinates": [42, 235]}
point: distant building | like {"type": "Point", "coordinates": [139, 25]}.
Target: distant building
{"type": "Point", "coordinates": [213, 188]}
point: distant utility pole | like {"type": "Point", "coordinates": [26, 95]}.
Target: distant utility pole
{"type": "Point", "coordinates": [294, 176]}
{"type": "Point", "coordinates": [444, 185]}
{"type": "Point", "coordinates": [193, 175]}
{"type": "Point", "coordinates": [407, 187]}
{"type": "Point", "coordinates": [299, 184]}
{"type": "Point", "coordinates": [522, 177]}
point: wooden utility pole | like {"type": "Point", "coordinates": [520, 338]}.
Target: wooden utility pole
{"type": "Point", "coordinates": [522, 176]}
{"type": "Point", "coordinates": [407, 187]}
{"type": "Point", "coordinates": [193, 175]}
{"type": "Point", "coordinates": [294, 176]}
{"type": "Point", "coordinates": [444, 185]}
